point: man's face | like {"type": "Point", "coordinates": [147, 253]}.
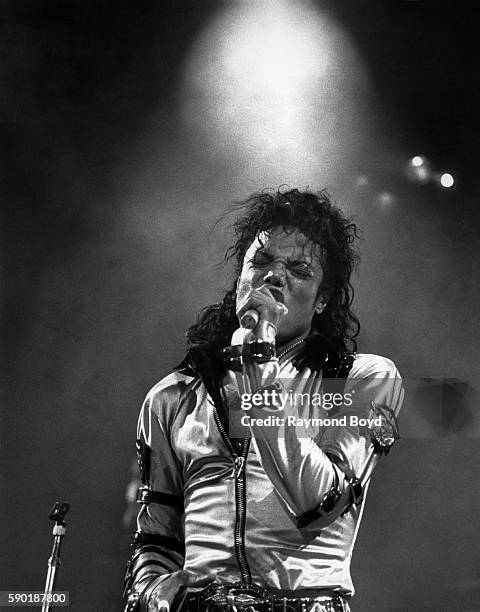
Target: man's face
{"type": "Point", "coordinates": [288, 264]}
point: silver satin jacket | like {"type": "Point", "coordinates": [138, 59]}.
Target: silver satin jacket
{"type": "Point", "coordinates": [250, 506]}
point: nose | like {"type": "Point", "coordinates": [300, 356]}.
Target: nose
{"type": "Point", "coordinates": [275, 276]}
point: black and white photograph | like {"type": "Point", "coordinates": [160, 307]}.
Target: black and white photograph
{"type": "Point", "coordinates": [240, 296]}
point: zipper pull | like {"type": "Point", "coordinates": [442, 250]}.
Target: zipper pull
{"type": "Point", "coordinates": [239, 465]}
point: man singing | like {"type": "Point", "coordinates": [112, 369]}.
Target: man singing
{"type": "Point", "coordinates": [253, 512]}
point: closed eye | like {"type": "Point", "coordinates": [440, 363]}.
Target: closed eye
{"type": "Point", "coordinates": [302, 270]}
{"type": "Point", "coordinates": [260, 259]}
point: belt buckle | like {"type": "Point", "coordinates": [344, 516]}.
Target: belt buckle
{"type": "Point", "coordinates": [235, 597]}
{"type": "Point", "coordinates": [325, 603]}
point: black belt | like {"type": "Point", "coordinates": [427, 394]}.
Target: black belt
{"type": "Point", "coordinates": [241, 597]}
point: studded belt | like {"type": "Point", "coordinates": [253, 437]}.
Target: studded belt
{"type": "Point", "coordinates": [241, 597]}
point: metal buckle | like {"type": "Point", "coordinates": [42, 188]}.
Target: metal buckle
{"type": "Point", "coordinates": [357, 490]}
{"type": "Point", "coordinates": [329, 502]}
{"type": "Point", "coordinates": [143, 495]}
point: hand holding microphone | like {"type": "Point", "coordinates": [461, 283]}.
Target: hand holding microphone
{"type": "Point", "coordinates": [252, 329]}
{"type": "Point", "coordinates": [260, 312]}
{"type": "Point", "coordinates": [244, 333]}
{"type": "Point", "coordinates": [254, 341]}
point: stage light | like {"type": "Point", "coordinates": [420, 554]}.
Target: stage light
{"type": "Point", "coordinates": [419, 169]}
{"type": "Point", "coordinates": [417, 161]}
{"type": "Point", "coordinates": [386, 200]}
{"type": "Point", "coordinates": [276, 88]}
{"type": "Point", "coordinates": [447, 180]}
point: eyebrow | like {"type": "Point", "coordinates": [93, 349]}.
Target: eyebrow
{"type": "Point", "coordinates": [268, 253]}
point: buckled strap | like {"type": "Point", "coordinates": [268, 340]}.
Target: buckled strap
{"type": "Point", "coordinates": [325, 508]}
{"type": "Point", "coordinates": [146, 495]}
{"type": "Point", "coordinates": [152, 538]}
{"type": "Point", "coordinates": [262, 351]}
{"type": "Point", "coordinates": [258, 350]}
{"type": "Point", "coordinates": [143, 459]}
{"type": "Point", "coordinates": [356, 486]}
{"type": "Point", "coordinates": [331, 498]}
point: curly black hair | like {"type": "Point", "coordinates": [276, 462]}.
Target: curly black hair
{"type": "Point", "coordinates": [324, 224]}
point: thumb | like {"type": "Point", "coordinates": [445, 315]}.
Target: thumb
{"type": "Point", "coordinates": [241, 336]}
{"type": "Point", "coordinates": [190, 579]}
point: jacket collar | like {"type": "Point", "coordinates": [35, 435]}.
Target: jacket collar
{"type": "Point", "coordinates": [205, 360]}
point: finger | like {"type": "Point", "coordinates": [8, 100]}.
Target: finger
{"type": "Point", "coordinates": [265, 289]}
{"type": "Point", "coordinates": [267, 299]}
{"type": "Point", "coordinates": [255, 300]}
{"type": "Point", "coordinates": [262, 294]}
{"type": "Point", "coordinates": [252, 374]}
{"type": "Point", "coordinates": [264, 304]}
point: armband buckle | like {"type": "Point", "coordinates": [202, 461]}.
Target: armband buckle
{"type": "Point", "coordinates": [329, 502]}
{"type": "Point", "coordinates": [144, 495]}
{"type": "Point", "coordinates": [357, 490]}
{"type": "Point", "coordinates": [143, 459]}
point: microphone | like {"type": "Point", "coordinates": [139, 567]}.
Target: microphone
{"type": "Point", "coordinates": [249, 319]}
{"type": "Point", "coordinates": [244, 333]}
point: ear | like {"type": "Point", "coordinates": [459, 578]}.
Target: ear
{"type": "Point", "coordinates": [321, 303]}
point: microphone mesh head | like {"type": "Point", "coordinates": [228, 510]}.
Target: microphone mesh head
{"type": "Point", "coordinates": [249, 319]}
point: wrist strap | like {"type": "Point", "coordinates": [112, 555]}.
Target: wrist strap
{"type": "Point", "coordinates": [256, 350]}
{"type": "Point", "coordinates": [261, 351]}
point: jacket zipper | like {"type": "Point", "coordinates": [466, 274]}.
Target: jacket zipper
{"type": "Point", "coordinates": [240, 500]}
{"type": "Point", "coordinates": [241, 507]}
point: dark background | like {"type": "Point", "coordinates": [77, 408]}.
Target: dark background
{"type": "Point", "coordinates": [108, 253]}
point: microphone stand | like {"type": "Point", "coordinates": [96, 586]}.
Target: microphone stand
{"type": "Point", "coordinates": [57, 514]}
